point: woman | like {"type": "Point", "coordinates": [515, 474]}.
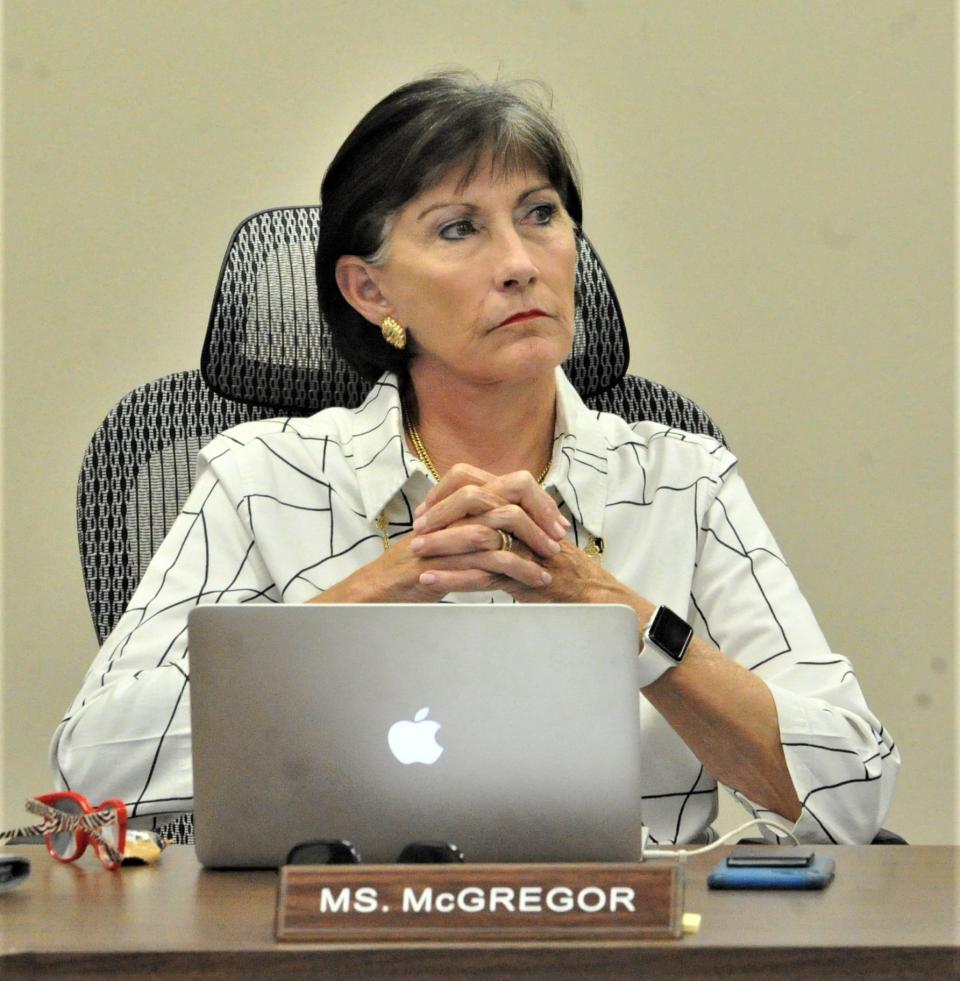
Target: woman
{"type": "Point", "coordinates": [474, 473]}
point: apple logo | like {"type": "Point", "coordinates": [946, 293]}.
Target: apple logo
{"type": "Point", "coordinates": [415, 741]}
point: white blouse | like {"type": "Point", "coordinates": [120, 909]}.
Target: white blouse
{"type": "Point", "coordinates": [283, 509]}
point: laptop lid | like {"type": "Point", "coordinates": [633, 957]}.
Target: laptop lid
{"type": "Point", "coordinates": [510, 731]}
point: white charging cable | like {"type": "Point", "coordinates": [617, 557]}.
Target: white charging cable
{"type": "Point", "coordinates": [684, 853]}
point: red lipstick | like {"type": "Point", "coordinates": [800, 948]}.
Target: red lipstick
{"type": "Point", "coordinates": [522, 315]}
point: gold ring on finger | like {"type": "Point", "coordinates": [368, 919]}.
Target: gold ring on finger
{"type": "Point", "coordinates": [506, 540]}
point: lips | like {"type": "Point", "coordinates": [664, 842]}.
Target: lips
{"type": "Point", "coordinates": [522, 315]}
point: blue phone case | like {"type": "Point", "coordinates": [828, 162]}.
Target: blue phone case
{"type": "Point", "coordinates": [817, 875]}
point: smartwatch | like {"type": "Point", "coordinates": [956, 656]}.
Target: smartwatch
{"type": "Point", "coordinates": [665, 642]}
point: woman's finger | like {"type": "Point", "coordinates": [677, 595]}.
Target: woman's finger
{"type": "Point", "coordinates": [465, 502]}
{"type": "Point", "coordinates": [482, 571]}
{"type": "Point", "coordinates": [461, 540]}
{"type": "Point", "coordinates": [483, 533]}
{"type": "Point", "coordinates": [459, 475]}
{"type": "Point", "coordinates": [521, 488]}
{"type": "Point", "coordinates": [474, 499]}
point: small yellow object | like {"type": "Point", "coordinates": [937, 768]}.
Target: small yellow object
{"type": "Point", "coordinates": [691, 922]}
{"type": "Point", "coordinates": [142, 847]}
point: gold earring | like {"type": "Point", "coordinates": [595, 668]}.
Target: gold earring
{"type": "Point", "coordinates": [394, 333]}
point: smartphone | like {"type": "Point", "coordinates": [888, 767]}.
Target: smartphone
{"type": "Point", "coordinates": [771, 856]}
{"type": "Point", "coordinates": [817, 874]}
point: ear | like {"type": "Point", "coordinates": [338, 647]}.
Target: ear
{"type": "Point", "coordinates": [355, 277]}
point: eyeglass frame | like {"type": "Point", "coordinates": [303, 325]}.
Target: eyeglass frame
{"type": "Point", "coordinates": [86, 826]}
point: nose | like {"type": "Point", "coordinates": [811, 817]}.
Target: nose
{"type": "Point", "coordinates": [515, 267]}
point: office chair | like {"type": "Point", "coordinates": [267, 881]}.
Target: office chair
{"type": "Point", "coordinates": [267, 353]}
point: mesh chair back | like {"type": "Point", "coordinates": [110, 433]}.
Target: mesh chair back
{"type": "Point", "coordinates": [638, 399]}
{"type": "Point", "coordinates": [136, 473]}
{"type": "Point", "coordinates": [268, 343]}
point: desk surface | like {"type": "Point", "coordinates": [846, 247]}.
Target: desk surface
{"type": "Point", "coordinates": [891, 913]}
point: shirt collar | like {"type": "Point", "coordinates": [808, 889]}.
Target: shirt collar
{"type": "Point", "coordinates": [382, 463]}
{"type": "Point", "coordinates": [579, 468]}
{"type": "Point", "coordinates": [384, 466]}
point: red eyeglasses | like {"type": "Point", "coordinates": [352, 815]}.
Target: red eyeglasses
{"type": "Point", "coordinates": [71, 823]}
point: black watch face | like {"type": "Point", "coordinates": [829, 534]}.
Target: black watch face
{"type": "Point", "coordinates": [670, 633]}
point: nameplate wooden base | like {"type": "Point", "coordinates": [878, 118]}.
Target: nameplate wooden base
{"type": "Point", "coordinates": [472, 903]}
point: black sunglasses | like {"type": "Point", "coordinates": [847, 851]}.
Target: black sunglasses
{"type": "Point", "coordinates": [336, 851]}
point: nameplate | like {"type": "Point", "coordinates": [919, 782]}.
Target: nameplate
{"type": "Point", "coordinates": [476, 903]}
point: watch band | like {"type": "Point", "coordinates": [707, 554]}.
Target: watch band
{"type": "Point", "coordinates": [665, 642]}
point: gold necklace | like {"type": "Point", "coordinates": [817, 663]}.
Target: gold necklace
{"type": "Point", "coordinates": [424, 456]}
{"type": "Point", "coordinates": [593, 548]}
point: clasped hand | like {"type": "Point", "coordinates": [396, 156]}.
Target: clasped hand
{"type": "Point", "coordinates": [456, 547]}
{"type": "Point", "coordinates": [457, 543]}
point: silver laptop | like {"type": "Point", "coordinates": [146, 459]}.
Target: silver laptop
{"type": "Point", "coordinates": [512, 732]}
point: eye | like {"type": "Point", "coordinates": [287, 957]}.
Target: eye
{"type": "Point", "coordinates": [542, 214]}
{"type": "Point", "coordinates": [457, 230]}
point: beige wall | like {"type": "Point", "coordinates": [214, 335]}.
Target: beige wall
{"type": "Point", "coordinates": [769, 182]}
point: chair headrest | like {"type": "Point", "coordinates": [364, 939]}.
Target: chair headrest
{"type": "Point", "coordinates": [267, 343]}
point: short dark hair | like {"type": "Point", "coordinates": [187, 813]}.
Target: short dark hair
{"type": "Point", "coordinates": [406, 144]}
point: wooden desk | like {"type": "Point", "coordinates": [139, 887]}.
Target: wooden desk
{"type": "Point", "coordinates": [891, 913]}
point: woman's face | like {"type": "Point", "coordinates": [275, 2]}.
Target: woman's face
{"type": "Point", "coordinates": [482, 277]}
